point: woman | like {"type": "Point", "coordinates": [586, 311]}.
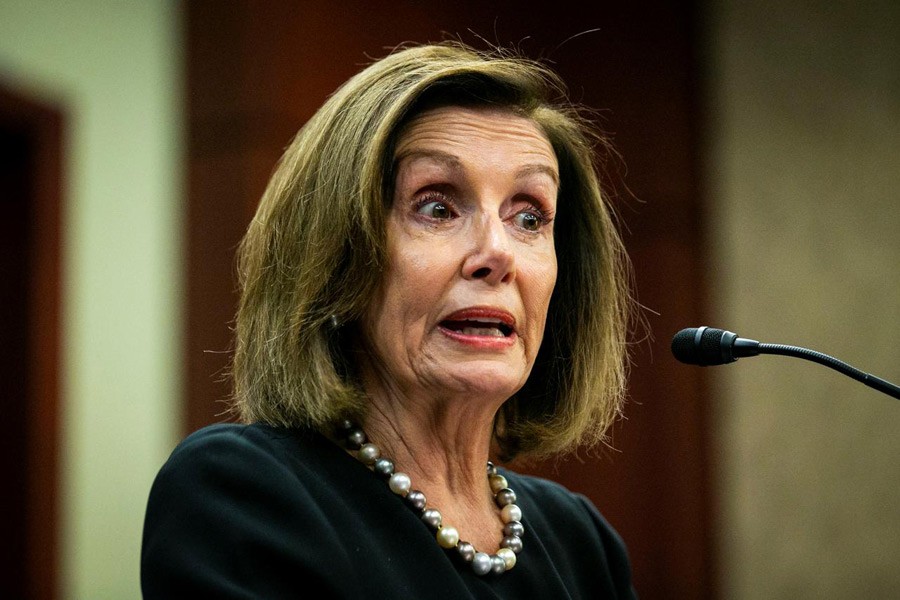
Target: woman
{"type": "Point", "coordinates": [432, 279]}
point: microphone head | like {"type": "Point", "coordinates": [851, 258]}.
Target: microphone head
{"type": "Point", "coordinates": [703, 346]}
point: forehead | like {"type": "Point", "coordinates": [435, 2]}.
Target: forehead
{"type": "Point", "coordinates": [462, 131]}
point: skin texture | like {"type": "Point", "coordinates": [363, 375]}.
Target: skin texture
{"type": "Point", "coordinates": [470, 236]}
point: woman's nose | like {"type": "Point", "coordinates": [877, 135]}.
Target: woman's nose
{"type": "Point", "coordinates": [491, 258]}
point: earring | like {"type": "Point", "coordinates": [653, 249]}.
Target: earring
{"type": "Point", "coordinates": [334, 321]}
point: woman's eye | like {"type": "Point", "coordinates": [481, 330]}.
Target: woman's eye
{"type": "Point", "coordinates": [529, 221]}
{"type": "Point", "coordinates": [436, 210]}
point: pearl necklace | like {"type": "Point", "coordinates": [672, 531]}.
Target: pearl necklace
{"type": "Point", "coordinates": [447, 536]}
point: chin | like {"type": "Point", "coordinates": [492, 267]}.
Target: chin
{"type": "Point", "coordinates": [486, 379]}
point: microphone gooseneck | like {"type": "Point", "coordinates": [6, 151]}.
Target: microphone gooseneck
{"type": "Point", "coordinates": [706, 346]}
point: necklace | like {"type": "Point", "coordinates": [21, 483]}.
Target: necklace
{"type": "Point", "coordinates": [447, 536]}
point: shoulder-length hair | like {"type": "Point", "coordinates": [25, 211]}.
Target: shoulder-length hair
{"type": "Point", "coordinates": [314, 254]}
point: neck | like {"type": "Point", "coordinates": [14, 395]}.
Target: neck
{"type": "Point", "coordinates": [443, 444]}
{"type": "Point", "coordinates": [446, 451]}
{"type": "Point", "coordinates": [502, 555]}
{"type": "Point", "coordinates": [439, 435]}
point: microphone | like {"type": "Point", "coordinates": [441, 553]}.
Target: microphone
{"type": "Point", "coordinates": [705, 346]}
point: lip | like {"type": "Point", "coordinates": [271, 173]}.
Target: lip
{"type": "Point", "coordinates": [480, 313]}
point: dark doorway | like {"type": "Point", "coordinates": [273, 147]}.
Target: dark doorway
{"type": "Point", "coordinates": [30, 178]}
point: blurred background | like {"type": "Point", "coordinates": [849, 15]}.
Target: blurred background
{"type": "Point", "coordinates": [757, 186]}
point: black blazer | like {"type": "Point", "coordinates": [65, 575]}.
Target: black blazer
{"type": "Point", "coordinates": [251, 511]}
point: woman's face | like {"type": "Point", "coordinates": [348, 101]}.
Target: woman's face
{"type": "Point", "coordinates": [472, 264]}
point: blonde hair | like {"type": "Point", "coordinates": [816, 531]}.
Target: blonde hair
{"type": "Point", "coordinates": [315, 251]}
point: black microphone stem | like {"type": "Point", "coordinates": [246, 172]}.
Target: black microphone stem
{"type": "Point", "coordinates": [829, 361]}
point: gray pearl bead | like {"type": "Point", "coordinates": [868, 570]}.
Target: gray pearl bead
{"type": "Point", "coordinates": [514, 528]}
{"type": "Point", "coordinates": [498, 565]}
{"type": "Point", "coordinates": [466, 551]}
{"type": "Point", "coordinates": [416, 499]}
{"type": "Point", "coordinates": [513, 542]}
{"type": "Point", "coordinates": [384, 467]}
{"type": "Point", "coordinates": [504, 497]}
{"type": "Point", "coordinates": [356, 438]}
{"type": "Point", "coordinates": [481, 563]}
{"type": "Point", "coordinates": [432, 518]}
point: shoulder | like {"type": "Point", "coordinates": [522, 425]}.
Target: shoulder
{"type": "Point", "coordinates": [211, 457]}
{"type": "Point", "coordinates": [231, 504]}
{"type": "Point", "coordinates": [230, 438]}
{"type": "Point", "coordinates": [569, 522]}
{"type": "Point", "coordinates": [226, 470]}
{"type": "Point", "coordinates": [556, 500]}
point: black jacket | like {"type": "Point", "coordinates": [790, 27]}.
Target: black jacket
{"type": "Point", "coordinates": [250, 511]}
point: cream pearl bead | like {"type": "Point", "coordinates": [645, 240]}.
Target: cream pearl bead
{"type": "Point", "coordinates": [368, 454]}
{"type": "Point", "coordinates": [447, 536]}
{"type": "Point", "coordinates": [508, 556]}
{"type": "Point", "coordinates": [497, 483]}
{"type": "Point", "coordinates": [400, 484]}
{"type": "Point", "coordinates": [511, 512]}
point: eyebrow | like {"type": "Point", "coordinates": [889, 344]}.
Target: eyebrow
{"type": "Point", "coordinates": [453, 162]}
{"type": "Point", "coordinates": [536, 169]}
{"type": "Point", "coordinates": [444, 158]}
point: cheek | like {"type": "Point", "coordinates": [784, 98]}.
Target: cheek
{"type": "Point", "coordinates": [541, 277]}
{"type": "Point", "coordinates": [413, 285]}
{"type": "Point", "coordinates": [414, 278]}
{"type": "Point", "coordinates": [385, 327]}
{"type": "Point", "coordinates": [397, 316]}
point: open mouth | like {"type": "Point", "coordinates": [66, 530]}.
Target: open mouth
{"type": "Point", "coordinates": [479, 327]}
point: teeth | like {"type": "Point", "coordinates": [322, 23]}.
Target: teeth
{"type": "Point", "coordinates": [487, 331]}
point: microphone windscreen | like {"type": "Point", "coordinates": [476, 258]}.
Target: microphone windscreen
{"type": "Point", "coordinates": [699, 346]}
{"type": "Point", "coordinates": [683, 346]}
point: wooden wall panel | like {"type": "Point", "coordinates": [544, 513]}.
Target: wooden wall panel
{"type": "Point", "coordinates": [258, 71]}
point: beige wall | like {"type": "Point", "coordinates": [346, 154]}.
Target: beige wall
{"type": "Point", "coordinates": [114, 67]}
{"type": "Point", "coordinates": [804, 174]}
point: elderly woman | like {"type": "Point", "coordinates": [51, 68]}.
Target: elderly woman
{"type": "Point", "coordinates": [432, 279]}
